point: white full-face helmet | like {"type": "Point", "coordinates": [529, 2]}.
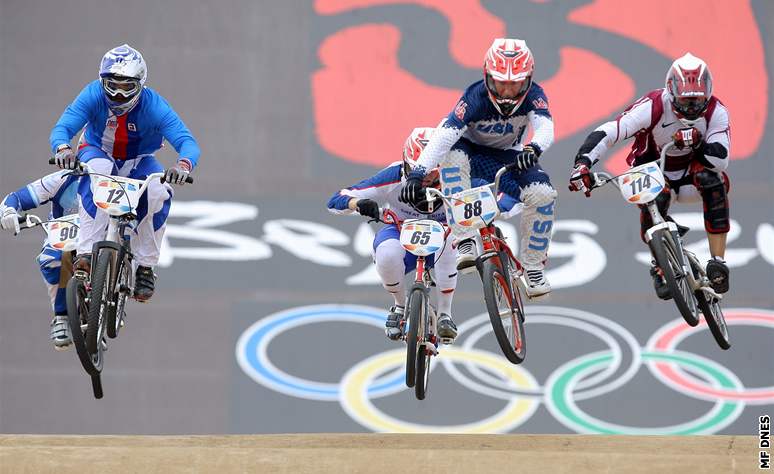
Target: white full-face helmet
{"type": "Point", "coordinates": [123, 73]}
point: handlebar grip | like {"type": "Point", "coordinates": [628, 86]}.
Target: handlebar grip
{"type": "Point", "coordinates": [22, 219]}
{"type": "Point", "coordinates": [189, 180]}
{"type": "Point", "coordinates": [51, 161]}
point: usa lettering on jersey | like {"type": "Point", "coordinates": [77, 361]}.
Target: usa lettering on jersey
{"type": "Point", "coordinates": [460, 109]}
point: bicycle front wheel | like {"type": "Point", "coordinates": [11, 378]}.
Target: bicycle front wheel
{"type": "Point", "coordinates": [115, 310]}
{"type": "Point", "coordinates": [416, 311]}
{"type": "Point", "coordinates": [503, 303]}
{"type": "Point", "coordinates": [101, 293]}
{"type": "Point", "coordinates": [78, 313]}
{"type": "Point", "coordinates": [669, 260]}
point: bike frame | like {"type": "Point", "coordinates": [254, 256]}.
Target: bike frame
{"type": "Point", "coordinates": [686, 256]}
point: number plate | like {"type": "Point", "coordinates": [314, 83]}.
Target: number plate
{"type": "Point", "coordinates": [115, 195]}
{"type": "Point", "coordinates": [422, 237]}
{"type": "Point", "coordinates": [642, 183]}
{"type": "Point", "coordinates": [473, 209]}
{"type": "Point", "coordinates": [63, 232]}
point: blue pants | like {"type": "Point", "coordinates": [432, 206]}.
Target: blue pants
{"type": "Point", "coordinates": [50, 262]}
{"type": "Point", "coordinates": [486, 161]}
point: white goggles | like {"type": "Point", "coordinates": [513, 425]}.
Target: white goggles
{"type": "Point", "coordinates": [125, 88]}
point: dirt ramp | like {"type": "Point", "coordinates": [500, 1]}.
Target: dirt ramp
{"type": "Point", "coordinates": [376, 453]}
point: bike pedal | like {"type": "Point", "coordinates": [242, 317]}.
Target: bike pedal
{"type": "Point", "coordinates": [467, 270]}
{"type": "Point", "coordinates": [447, 341]}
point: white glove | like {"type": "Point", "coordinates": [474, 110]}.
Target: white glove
{"type": "Point", "coordinates": [9, 219]}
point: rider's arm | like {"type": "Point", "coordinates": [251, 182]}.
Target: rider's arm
{"type": "Point", "coordinates": [375, 188]}
{"type": "Point", "coordinates": [717, 144]}
{"type": "Point", "coordinates": [540, 120]}
{"type": "Point", "coordinates": [637, 117]}
{"type": "Point", "coordinates": [176, 133]}
{"type": "Point", "coordinates": [75, 115]}
{"type": "Point", "coordinates": [36, 193]}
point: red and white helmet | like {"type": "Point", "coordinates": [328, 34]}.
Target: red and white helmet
{"type": "Point", "coordinates": [508, 67]}
{"type": "Point", "coordinates": [414, 145]}
{"type": "Point", "coordinates": [689, 83]}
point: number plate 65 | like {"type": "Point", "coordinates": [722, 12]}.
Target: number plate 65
{"type": "Point", "coordinates": [641, 184]}
{"type": "Point", "coordinates": [422, 237]}
{"type": "Point", "coordinates": [63, 232]}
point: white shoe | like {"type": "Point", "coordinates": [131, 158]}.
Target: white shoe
{"type": "Point", "coordinates": [60, 333]}
{"type": "Point", "coordinates": [537, 285]}
{"type": "Point", "coordinates": [466, 255]}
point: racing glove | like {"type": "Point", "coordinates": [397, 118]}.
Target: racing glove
{"type": "Point", "coordinates": [525, 159]}
{"type": "Point", "coordinates": [64, 158]}
{"type": "Point", "coordinates": [412, 192]}
{"type": "Point", "coordinates": [687, 137]}
{"type": "Point", "coordinates": [9, 219]}
{"type": "Point", "coordinates": [178, 173]}
{"type": "Point", "coordinates": [581, 178]}
{"type": "Point", "coordinates": [368, 208]}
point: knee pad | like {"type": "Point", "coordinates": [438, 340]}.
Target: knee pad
{"type": "Point", "coordinates": [713, 192]}
{"type": "Point", "coordinates": [538, 195]}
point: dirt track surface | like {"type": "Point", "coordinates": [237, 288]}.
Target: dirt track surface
{"type": "Point", "coordinates": [341, 453]}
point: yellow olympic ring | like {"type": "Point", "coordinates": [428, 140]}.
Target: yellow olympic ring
{"type": "Point", "coordinates": [356, 403]}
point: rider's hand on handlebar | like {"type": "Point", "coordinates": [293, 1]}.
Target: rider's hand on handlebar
{"type": "Point", "coordinates": [412, 192]}
{"type": "Point", "coordinates": [526, 159]}
{"type": "Point", "coordinates": [368, 208]}
{"type": "Point", "coordinates": [65, 158]}
{"type": "Point", "coordinates": [9, 219]}
{"type": "Point", "coordinates": [178, 173]}
{"type": "Point", "coordinates": [687, 137]}
{"type": "Point", "coordinates": [581, 178]}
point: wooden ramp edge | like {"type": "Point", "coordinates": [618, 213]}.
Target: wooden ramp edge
{"type": "Point", "coordinates": [378, 453]}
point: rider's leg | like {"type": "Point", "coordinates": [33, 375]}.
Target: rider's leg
{"type": "Point", "coordinates": [714, 192]}
{"type": "Point", "coordinates": [455, 172]}
{"type": "Point", "coordinates": [389, 257]}
{"type": "Point", "coordinates": [92, 223]}
{"type": "Point", "coordinates": [538, 197]}
{"type": "Point", "coordinates": [446, 281]}
{"type": "Point", "coordinates": [152, 212]}
{"type": "Point", "coordinates": [50, 261]}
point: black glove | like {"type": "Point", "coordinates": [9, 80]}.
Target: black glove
{"type": "Point", "coordinates": [178, 173]}
{"type": "Point", "coordinates": [368, 208]}
{"type": "Point", "coordinates": [525, 159]}
{"type": "Point", "coordinates": [65, 158]}
{"type": "Point", "coordinates": [412, 192]}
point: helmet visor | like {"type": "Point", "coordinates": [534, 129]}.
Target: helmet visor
{"type": "Point", "coordinates": [690, 107]}
{"type": "Point", "coordinates": [120, 88]}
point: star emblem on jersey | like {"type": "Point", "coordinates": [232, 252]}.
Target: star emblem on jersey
{"type": "Point", "coordinates": [459, 110]}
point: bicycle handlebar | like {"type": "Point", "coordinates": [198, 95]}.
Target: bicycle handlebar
{"type": "Point", "coordinates": [602, 178]}
{"type": "Point", "coordinates": [188, 179]}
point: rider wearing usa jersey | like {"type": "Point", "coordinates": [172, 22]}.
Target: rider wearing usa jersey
{"type": "Point", "coordinates": [392, 261]}
{"type": "Point", "coordinates": [126, 123]}
{"type": "Point", "coordinates": [485, 132]}
{"type": "Point", "coordinates": [61, 191]}
{"type": "Point", "coordinates": [684, 112]}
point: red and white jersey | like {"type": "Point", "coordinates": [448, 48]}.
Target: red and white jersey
{"type": "Point", "coordinates": [653, 123]}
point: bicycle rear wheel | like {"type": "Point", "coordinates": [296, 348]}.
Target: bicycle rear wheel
{"type": "Point", "coordinates": [101, 293]}
{"type": "Point", "coordinates": [670, 262]}
{"type": "Point", "coordinates": [416, 310]}
{"type": "Point", "coordinates": [713, 313]}
{"type": "Point", "coordinates": [78, 313]}
{"type": "Point", "coordinates": [503, 303]}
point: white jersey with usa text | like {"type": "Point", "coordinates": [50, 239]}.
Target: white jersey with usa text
{"type": "Point", "coordinates": [475, 118]}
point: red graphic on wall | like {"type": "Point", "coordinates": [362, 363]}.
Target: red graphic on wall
{"type": "Point", "coordinates": [365, 109]}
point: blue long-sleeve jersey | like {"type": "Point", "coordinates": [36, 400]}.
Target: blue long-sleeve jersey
{"type": "Point", "coordinates": [59, 188]}
{"type": "Point", "coordinates": [134, 134]}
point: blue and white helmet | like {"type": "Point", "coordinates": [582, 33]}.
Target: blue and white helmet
{"type": "Point", "coordinates": [123, 73]}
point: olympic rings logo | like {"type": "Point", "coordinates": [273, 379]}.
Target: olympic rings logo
{"type": "Point", "coordinates": [490, 374]}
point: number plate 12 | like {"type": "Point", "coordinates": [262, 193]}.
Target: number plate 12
{"type": "Point", "coordinates": [422, 237]}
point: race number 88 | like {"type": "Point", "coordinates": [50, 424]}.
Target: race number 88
{"type": "Point", "coordinates": [472, 209]}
